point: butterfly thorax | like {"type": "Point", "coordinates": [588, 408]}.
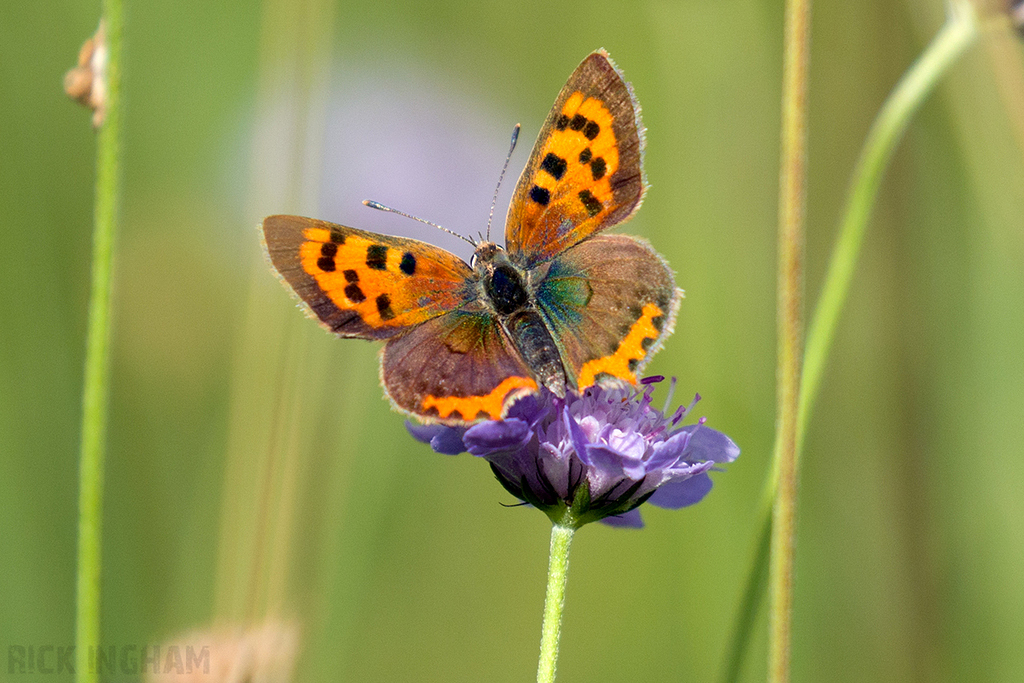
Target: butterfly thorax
{"type": "Point", "coordinates": [506, 288]}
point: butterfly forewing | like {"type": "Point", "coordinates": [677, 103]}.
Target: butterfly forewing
{"type": "Point", "coordinates": [361, 284]}
{"type": "Point", "coordinates": [585, 171]}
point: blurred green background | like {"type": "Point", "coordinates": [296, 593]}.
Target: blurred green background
{"type": "Point", "coordinates": [254, 468]}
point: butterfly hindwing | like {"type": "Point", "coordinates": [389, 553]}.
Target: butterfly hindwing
{"type": "Point", "coordinates": [361, 284]}
{"type": "Point", "coordinates": [610, 301]}
{"type": "Point", "coordinates": [455, 368]}
{"type": "Point", "coordinates": [585, 171]}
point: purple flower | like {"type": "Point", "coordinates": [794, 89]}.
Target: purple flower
{"type": "Point", "coordinates": [596, 456]}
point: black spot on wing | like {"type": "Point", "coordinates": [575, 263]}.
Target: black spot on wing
{"type": "Point", "coordinates": [354, 294]}
{"type": "Point", "coordinates": [540, 195]}
{"type": "Point", "coordinates": [408, 264]}
{"type": "Point", "coordinates": [598, 167]}
{"type": "Point", "coordinates": [591, 130]}
{"type": "Point", "coordinates": [554, 165]}
{"type": "Point", "coordinates": [325, 264]}
{"type": "Point", "coordinates": [384, 307]}
{"type": "Point", "coordinates": [377, 257]}
{"type": "Point", "coordinates": [590, 203]}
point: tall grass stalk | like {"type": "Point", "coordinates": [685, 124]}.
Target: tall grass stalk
{"type": "Point", "coordinates": [95, 392]}
{"type": "Point", "coordinates": [957, 34]}
{"type": "Point", "coordinates": [789, 302]}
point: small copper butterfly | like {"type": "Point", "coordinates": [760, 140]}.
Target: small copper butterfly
{"type": "Point", "coordinates": [560, 306]}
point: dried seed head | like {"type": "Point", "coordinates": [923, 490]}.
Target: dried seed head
{"type": "Point", "coordinates": [86, 83]}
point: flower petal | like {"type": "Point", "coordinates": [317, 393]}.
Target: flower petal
{"type": "Point", "coordinates": [667, 452]}
{"type": "Point", "coordinates": [496, 436]}
{"type": "Point", "coordinates": [529, 409]}
{"type": "Point", "coordinates": [576, 435]}
{"type": "Point", "coordinates": [678, 494]}
{"type": "Point", "coordinates": [710, 444]}
{"type": "Point", "coordinates": [444, 440]}
{"type": "Point", "coordinates": [610, 463]}
{"type": "Point", "coordinates": [630, 443]}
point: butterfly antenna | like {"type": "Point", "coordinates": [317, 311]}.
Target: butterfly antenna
{"type": "Point", "coordinates": [380, 207]}
{"type": "Point", "coordinates": [511, 148]}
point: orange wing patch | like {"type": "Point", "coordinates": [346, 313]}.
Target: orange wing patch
{"type": "Point", "coordinates": [585, 172]}
{"type": "Point", "coordinates": [576, 164]}
{"type": "Point", "coordinates": [389, 283]}
{"type": "Point", "coordinates": [631, 349]}
{"type": "Point", "coordinates": [490, 406]}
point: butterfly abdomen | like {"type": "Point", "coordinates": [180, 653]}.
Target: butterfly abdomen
{"type": "Point", "coordinates": [534, 342]}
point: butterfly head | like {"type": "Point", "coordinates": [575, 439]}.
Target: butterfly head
{"type": "Point", "coordinates": [485, 253]}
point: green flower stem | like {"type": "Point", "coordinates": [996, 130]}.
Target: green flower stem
{"type": "Point", "coordinates": [554, 601]}
{"type": "Point", "coordinates": [95, 390]}
{"type": "Point", "coordinates": [958, 33]}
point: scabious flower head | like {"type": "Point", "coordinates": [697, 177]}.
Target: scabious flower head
{"type": "Point", "coordinates": [594, 456]}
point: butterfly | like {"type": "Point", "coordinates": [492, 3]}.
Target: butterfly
{"type": "Point", "coordinates": [560, 306]}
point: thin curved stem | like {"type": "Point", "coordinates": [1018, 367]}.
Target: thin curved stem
{"type": "Point", "coordinates": [753, 594]}
{"type": "Point", "coordinates": [952, 40]}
